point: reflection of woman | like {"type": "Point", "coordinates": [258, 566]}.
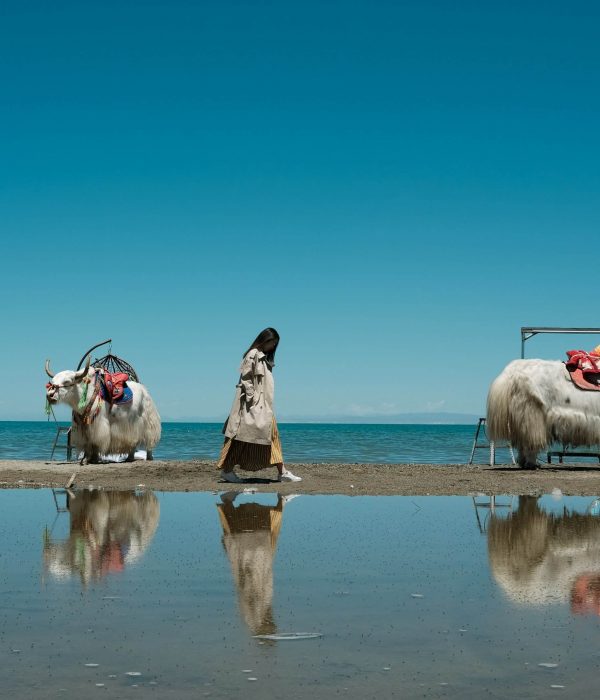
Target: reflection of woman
{"type": "Point", "coordinates": [251, 436]}
{"type": "Point", "coordinates": [540, 558]}
{"type": "Point", "coordinates": [250, 533]}
{"type": "Point", "coordinates": [109, 529]}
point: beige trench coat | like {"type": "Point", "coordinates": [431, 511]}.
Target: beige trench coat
{"type": "Point", "coordinates": [251, 416]}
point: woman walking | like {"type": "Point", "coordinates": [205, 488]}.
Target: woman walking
{"type": "Point", "coordinates": [251, 435]}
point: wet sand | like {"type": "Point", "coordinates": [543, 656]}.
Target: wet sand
{"type": "Point", "coordinates": [349, 479]}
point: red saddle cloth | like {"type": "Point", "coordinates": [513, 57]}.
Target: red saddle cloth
{"type": "Point", "coordinates": [114, 385]}
{"type": "Point", "coordinates": [584, 369]}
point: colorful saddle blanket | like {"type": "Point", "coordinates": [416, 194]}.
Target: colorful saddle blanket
{"type": "Point", "coordinates": [584, 369]}
{"type": "Point", "coordinates": [114, 388]}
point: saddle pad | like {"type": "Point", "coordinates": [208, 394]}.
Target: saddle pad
{"type": "Point", "coordinates": [577, 377]}
{"type": "Point", "coordinates": [584, 368]}
{"type": "Point", "coordinates": [125, 397]}
{"type": "Point", "coordinates": [588, 362]}
{"type": "Point", "coordinates": [114, 386]}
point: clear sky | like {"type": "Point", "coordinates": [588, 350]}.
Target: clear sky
{"type": "Point", "coordinates": [397, 187]}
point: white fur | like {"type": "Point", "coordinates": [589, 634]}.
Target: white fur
{"type": "Point", "coordinates": [534, 403]}
{"type": "Point", "coordinates": [116, 429]}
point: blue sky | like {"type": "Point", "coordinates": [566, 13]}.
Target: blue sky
{"type": "Point", "coordinates": [397, 187]}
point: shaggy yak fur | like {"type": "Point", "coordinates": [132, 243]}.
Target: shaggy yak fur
{"type": "Point", "coordinates": [115, 430]}
{"type": "Point", "coordinates": [534, 403]}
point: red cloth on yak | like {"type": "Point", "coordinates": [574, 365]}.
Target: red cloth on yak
{"type": "Point", "coordinates": [584, 369]}
{"type": "Point", "coordinates": [587, 362]}
{"type": "Point", "coordinates": [114, 385]}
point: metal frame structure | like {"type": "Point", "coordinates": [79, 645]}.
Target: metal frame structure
{"type": "Point", "coordinates": [488, 445]}
{"type": "Point", "coordinates": [528, 332]}
{"type": "Point", "coordinates": [110, 362]}
{"type": "Point", "coordinates": [58, 445]}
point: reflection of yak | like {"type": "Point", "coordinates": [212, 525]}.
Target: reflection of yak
{"type": "Point", "coordinates": [540, 558]}
{"type": "Point", "coordinates": [109, 529]}
{"type": "Point", "coordinates": [250, 534]}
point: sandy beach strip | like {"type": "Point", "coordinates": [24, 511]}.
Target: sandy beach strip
{"type": "Point", "coordinates": [348, 479]}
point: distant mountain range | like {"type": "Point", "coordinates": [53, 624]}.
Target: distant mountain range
{"type": "Point", "coordinates": [424, 418]}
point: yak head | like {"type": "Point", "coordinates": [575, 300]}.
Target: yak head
{"type": "Point", "coordinates": [65, 386]}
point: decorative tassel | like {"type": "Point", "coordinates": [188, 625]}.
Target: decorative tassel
{"type": "Point", "coordinates": [83, 399]}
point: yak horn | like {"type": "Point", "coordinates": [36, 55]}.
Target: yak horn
{"type": "Point", "coordinates": [82, 373]}
{"type": "Point", "coordinates": [47, 368]}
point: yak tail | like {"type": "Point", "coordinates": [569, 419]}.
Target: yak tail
{"type": "Point", "coordinates": [152, 425]}
{"type": "Point", "coordinates": [515, 411]}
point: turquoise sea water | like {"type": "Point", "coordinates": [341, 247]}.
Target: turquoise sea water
{"type": "Point", "coordinates": [302, 442]}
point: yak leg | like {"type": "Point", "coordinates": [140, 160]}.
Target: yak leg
{"type": "Point", "coordinates": [92, 457]}
{"type": "Point", "coordinates": [131, 456]}
{"type": "Point", "coordinates": [527, 459]}
{"type": "Point", "coordinates": [149, 455]}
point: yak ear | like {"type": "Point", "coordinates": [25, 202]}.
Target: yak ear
{"type": "Point", "coordinates": [82, 373]}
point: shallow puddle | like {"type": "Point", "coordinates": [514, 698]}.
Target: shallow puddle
{"type": "Point", "coordinates": [126, 594]}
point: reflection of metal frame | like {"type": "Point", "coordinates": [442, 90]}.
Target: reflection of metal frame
{"type": "Point", "coordinates": [594, 507]}
{"type": "Point", "coordinates": [491, 505]}
{"type": "Point", "coordinates": [61, 492]}
{"type": "Point", "coordinates": [59, 509]}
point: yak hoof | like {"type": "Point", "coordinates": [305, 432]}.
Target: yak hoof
{"type": "Point", "coordinates": [529, 465]}
{"type": "Point", "coordinates": [130, 457]}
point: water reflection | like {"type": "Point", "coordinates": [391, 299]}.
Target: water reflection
{"type": "Point", "coordinates": [250, 533]}
{"type": "Point", "coordinates": [108, 531]}
{"type": "Point", "coordinates": [541, 558]}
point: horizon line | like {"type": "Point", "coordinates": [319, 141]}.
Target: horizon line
{"type": "Point", "coordinates": [358, 421]}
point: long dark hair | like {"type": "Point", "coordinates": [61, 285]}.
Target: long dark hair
{"type": "Point", "coordinates": [261, 339]}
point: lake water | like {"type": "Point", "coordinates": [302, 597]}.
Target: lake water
{"type": "Point", "coordinates": [435, 444]}
{"type": "Point", "coordinates": [412, 596]}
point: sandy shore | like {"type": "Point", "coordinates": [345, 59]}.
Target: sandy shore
{"type": "Point", "coordinates": [350, 479]}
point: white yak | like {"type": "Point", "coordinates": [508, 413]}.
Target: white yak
{"type": "Point", "coordinates": [100, 428]}
{"type": "Point", "coordinates": [534, 403]}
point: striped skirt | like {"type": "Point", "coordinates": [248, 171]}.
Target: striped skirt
{"type": "Point", "coordinates": [252, 517]}
{"type": "Point", "coordinates": [249, 456]}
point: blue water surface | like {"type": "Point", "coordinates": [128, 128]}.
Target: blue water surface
{"type": "Point", "coordinates": [302, 442]}
{"type": "Point", "coordinates": [413, 596]}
